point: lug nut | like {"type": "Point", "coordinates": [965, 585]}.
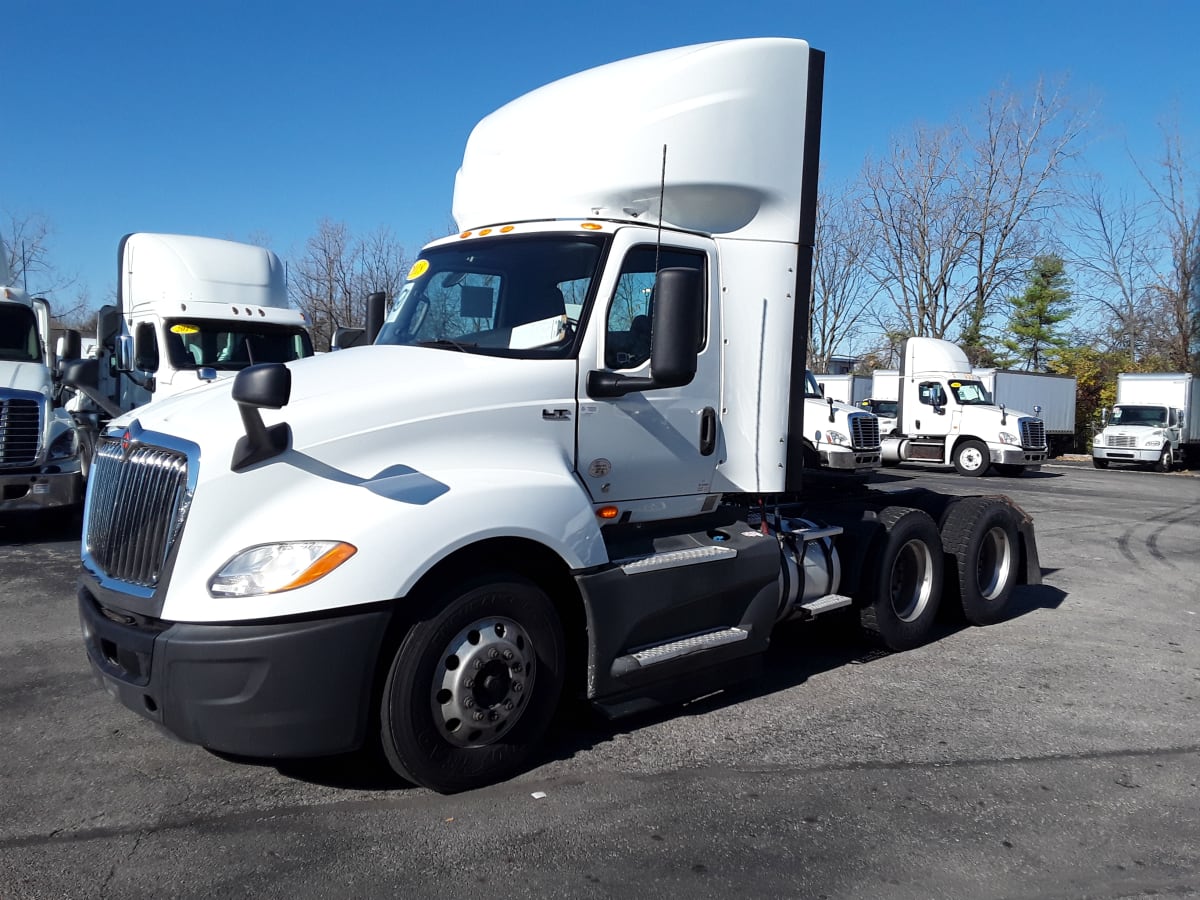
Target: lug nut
{"type": "Point", "coordinates": [508, 704]}
{"type": "Point", "coordinates": [478, 664]}
{"type": "Point", "coordinates": [493, 716]}
{"type": "Point", "coordinates": [517, 686]}
{"type": "Point", "coordinates": [468, 702]}
{"type": "Point", "coordinates": [493, 653]}
{"type": "Point", "coordinates": [478, 716]}
{"type": "Point", "coordinates": [516, 667]}
{"type": "Point", "coordinates": [469, 683]}
{"type": "Point", "coordinates": [508, 654]}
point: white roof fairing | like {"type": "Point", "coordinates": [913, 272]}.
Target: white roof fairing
{"type": "Point", "coordinates": [731, 114]}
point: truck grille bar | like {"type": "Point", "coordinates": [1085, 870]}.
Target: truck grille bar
{"type": "Point", "coordinates": [864, 432]}
{"type": "Point", "coordinates": [1033, 434]}
{"type": "Point", "coordinates": [20, 432]}
{"type": "Point", "coordinates": [1128, 441]}
{"type": "Point", "coordinates": [135, 510]}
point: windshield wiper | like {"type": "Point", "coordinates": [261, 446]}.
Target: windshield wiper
{"type": "Point", "coordinates": [460, 346]}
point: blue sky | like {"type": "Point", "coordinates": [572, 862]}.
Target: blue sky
{"type": "Point", "coordinates": [244, 119]}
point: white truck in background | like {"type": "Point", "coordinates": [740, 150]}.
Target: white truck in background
{"type": "Point", "coordinates": [42, 464]}
{"type": "Point", "coordinates": [190, 310]}
{"type": "Point", "coordinates": [839, 436]}
{"type": "Point", "coordinates": [1155, 422]}
{"type": "Point", "coordinates": [945, 416]}
{"type": "Point", "coordinates": [421, 544]}
{"type": "Point", "coordinates": [1050, 397]}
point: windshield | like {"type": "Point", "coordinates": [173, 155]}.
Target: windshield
{"type": "Point", "coordinates": [810, 387]}
{"type": "Point", "coordinates": [230, 346]}
{"type": "Point", "coordinates": [1139, 415]}
{"type": "Point", "coordinates": [971, 393]}
{"type": "Point", "coordinates": [516, 296]}
{"type": "Point", "coordinates": [18, 334]}
{"type": "Point", "coordinates": [885, 408]}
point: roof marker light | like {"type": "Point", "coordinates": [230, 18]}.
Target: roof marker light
{"type": "Point", "coordinates": [607, 512]}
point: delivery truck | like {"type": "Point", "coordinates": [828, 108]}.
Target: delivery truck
{"type": "Point", "coordinates": [1155, 422]}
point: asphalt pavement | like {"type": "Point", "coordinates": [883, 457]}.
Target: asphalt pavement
{"type": "Point", "coordinates": [1053, 755]}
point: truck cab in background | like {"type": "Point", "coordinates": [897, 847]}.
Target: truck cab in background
{"type": "Point", "coordinates": [946, 417]}
{"type": "Point", "coordinates": [1155, 422]}
{"type": "Point", "coordinates": [842, 437]}
{"type": "Point", "coordinates": [190, 311]}
{"type": "Point", "coordinates": [41, 461]}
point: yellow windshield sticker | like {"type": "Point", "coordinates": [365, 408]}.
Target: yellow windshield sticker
{"type": "Point", "coordinates": [184, 329]}
{"type": "Point", "coordinates": [419, 268]}
{"type": "Point", "coordinates": [956, 384]}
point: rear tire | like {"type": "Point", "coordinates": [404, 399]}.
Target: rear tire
{"type": "Point", "coordinates": [473, 686]}
{"type": "Point", "coordinates": [972, 458]}
{"type": "Point", "coordinates": [1099, 463]}
{"type": "Point", "coordinates": [902, 584]}
{"type": "Point", "coordinates": [980, 537]}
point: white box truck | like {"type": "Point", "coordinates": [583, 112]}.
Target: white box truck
{"type": "Point", "coordinates": [1155, 422]}
{"type": "Point", "coordinates": [421, 544]}
{"type": "Point", "coordinates": [190, 311]}
{"type": "Point", "coordinates": [851, 389]}
{"type": "Point", "coordinates": [1048, 396]}
{"type": "Point", "coordinates": [945, 416]}
{"type": "Point", "coordinates": [42, 464]}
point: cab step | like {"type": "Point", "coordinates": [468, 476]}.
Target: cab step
{"type": "Point", "coordinates": [661, 653]}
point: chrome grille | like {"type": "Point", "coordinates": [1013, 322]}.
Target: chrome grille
{"type": "Point", "coordinates": [20, 431]}
{"type": "Point", "coordinates": [136, 508]}
{"type": "Point", "coordinates": [1122, 440]}
{"type": "Point", "coordinates": [864, 432]}
{"type": "Point", "coordinates": [1033, 434]}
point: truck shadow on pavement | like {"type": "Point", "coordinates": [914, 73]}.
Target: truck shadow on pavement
{"type": "Point", "coordinates": [40, 527]}
{"type": "Point", "coordinates": [797, 653]}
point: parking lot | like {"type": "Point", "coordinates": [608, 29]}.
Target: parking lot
{"type": "Point", "coordinates": [1054, 755]}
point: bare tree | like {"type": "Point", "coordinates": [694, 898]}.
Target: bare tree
{"type": "Point", "coordinates": [28, 240]}
{"type": "Point", "coordinates": [958, 210]}
{"type": "Point", "coordinates": [331, 281]}
{"type": "Point", "coordinates": [842, 287]}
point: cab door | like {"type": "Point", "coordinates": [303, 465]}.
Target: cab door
{"type": "Point", "coordinates": [646, 447]}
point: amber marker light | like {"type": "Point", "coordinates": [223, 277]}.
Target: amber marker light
{"type": "Point", "coordinates": [325, 564]}
{"type": "Point", "coordinates": [608, 512]}
{"type": "Point", "coordinates": [466, 234]}
{"type": "Point", "coordinates": [485, 231]}
{"type": "Point", "coordinates": [507, 228]}
{"type": "Point", "coordinates": [592, 226]}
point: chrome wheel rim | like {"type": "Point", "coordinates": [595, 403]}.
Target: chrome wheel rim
{"type": "Point", "coordinates": [995, 563]}
{"type": "Point", "coordinates": [484, 675]}
{"type": "Point", "coordinates": [912, 581]}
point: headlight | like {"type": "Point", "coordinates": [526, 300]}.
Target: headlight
{"type": "Point", "coordinates": [1007, 438]}
{"type": "Point", "coordinates": [836, 437]}
{"type": "Point", "coordinates": [1098, 441]}
{"type": "Point", "coordinates": [1154, 442]}
{"type": "Point", "coordinates": [272, 568]}
{"type": "Point", "coordinates": [64, 446]}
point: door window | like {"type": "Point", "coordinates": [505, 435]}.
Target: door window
{"type": "Point", "coordinates": [932, 393]}
{"type": "Point", "coordinates": [628, 336]}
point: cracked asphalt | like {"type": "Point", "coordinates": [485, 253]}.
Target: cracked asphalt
{"type": "Point", "coordinates": [1053, 755]}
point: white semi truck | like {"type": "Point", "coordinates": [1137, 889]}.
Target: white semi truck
{"type": "Point", "coordinates": [421, 544]}
{"type": "Point", "coordinates": [1155, 422]}
{"type": "Point", "coordinates": [41, 461]}
{"type": "Point", "coordinates": [946, 416]}
{"type": "Point", "coordinates": [839, 436]}
{"type": "Point", "coordinates": [191, 310]}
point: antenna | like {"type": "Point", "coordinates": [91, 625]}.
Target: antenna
{"type": "Point", "coordinates": [662, 196]}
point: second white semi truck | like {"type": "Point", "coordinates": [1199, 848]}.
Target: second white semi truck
{"type": "Point", "coordinates": [571, 462]}
{"type": "Point", "coordinates": [1155, 422]}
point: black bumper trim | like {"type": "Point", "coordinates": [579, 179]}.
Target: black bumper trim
{"type": "Point", "coordinates": [279, 689]}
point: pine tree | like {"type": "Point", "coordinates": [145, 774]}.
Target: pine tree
{"type": "Point", "coordinates": [1037, 312]}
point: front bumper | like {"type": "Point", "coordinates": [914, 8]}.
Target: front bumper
{"type": "Point", "coordinates": [32, 491]}
{"type": "Point", "coordinates": [847, 460]}
{"type": "Point", "coordinates": [279, 689]}
{"type": "Point", "coordinates": [1128, 454]}
{"type": "Point", "coordinates": [1005, 455]}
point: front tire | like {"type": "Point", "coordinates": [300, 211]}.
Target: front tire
{"type": "Point", "coordinates": [1164, 461]}
{"type": "Point", "coordinates": [472, 688]}
{"type": "Point", "coordinates": [971, 458]}
{"type": "Point", "coordinates": [902, 585]}
{"type": "Point", "coordinates": [979, 535]}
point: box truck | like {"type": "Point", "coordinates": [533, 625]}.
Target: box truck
{"type": "Point", "coordinates": [570, 463]}
{"type": "Point", "coordinates": [1155, 422]}
{"type": "Point", "coordinates": [1050, 397]}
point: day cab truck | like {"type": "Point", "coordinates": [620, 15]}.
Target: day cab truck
{"type": "Point", "coordinates": [838, 436]}
{"type": "Point", "coordinates": [1155, 422]}
{"type": "Point", "coordinates": [190, 310]}
{"type": "Point", "coordinates": [41, 464]}
{"type": "Point", "coordinates": [571, 462]}
{"type": "Point", "coordinates": [945, 416]}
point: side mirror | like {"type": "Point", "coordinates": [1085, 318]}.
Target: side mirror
{"type": "Point", "coordinates": [123, 351]}
{"type": "Point", "coordinates": [829, 400]}
{"type": "Point", "coordinates": [81, 373]}
{"type": "Point", "coordinates": [266, 386]}
{"type": "Point", "coordinates": [1103, 416]}
{"type": "Point", "coordinates": [675, 341]}
{"type": "Point", "coordinates": [376, 311]}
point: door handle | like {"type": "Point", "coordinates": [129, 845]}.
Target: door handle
{"type": "Point", "coordinates": [708, 431]}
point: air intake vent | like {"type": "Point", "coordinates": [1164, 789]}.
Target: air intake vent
{"type": "Point", "coordinates": [136, 508]}
{"type": "Point", "coordinates": [20, 432]}
{"type": "Point", "coordinates": [1033, 434]}
{"type": "Point", "coordinates": [864, 432]}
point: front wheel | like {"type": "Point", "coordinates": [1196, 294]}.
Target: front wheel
{"type": "Point", "coordinates": [902, 584]}
{"type": "Point", "coordinates": [971, 458]}
{"type": "Point", "coordinates": [472, 688]}
{"type": "Point", "coordinates": [1164, 461]}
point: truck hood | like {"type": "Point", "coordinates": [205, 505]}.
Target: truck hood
{"type": "Point", "coordinates": [24, 376]}
{"type": "Point", "coordinates": [343, 403]}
